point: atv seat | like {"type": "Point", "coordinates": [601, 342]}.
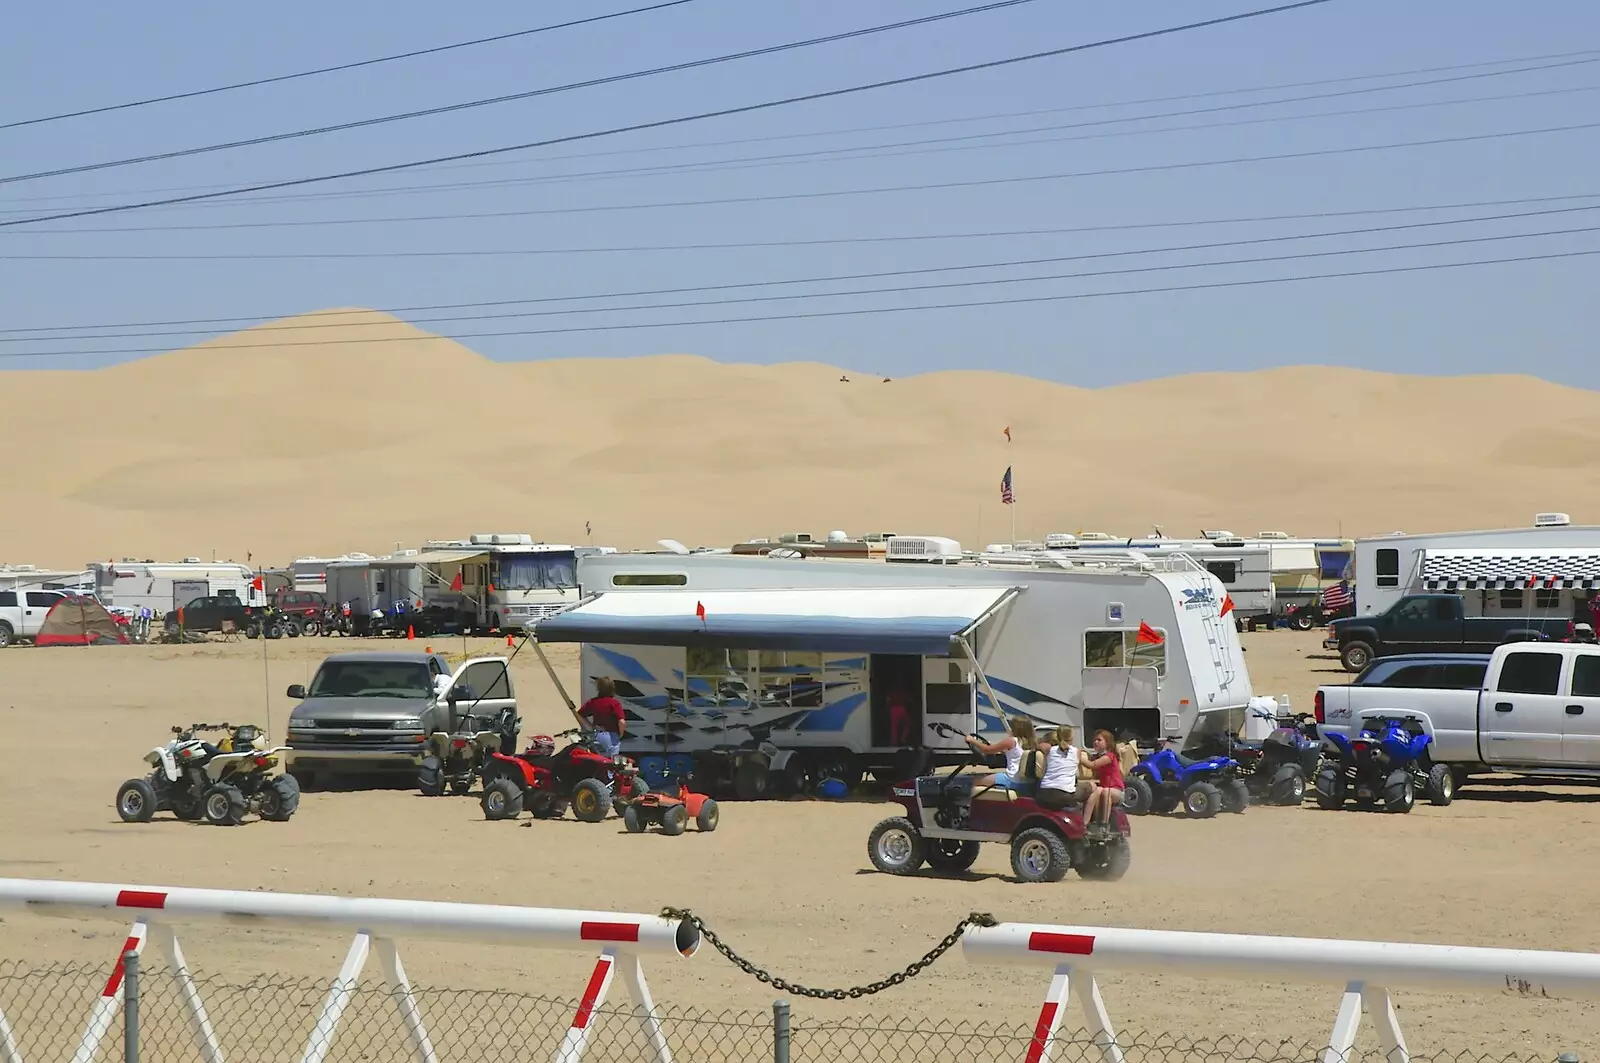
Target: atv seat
{"type": "Point", "coordinates": [1186, 762]}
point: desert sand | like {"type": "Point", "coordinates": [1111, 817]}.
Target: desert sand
{"type": "Point", "coordinates": [349, 430]}
{"type": "Point", "coordinates": [787, 882]}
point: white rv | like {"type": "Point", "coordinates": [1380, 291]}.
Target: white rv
{"type": "Point", "coordinates": [136, 587]}
{"type": "Point", "coordinates": [311, 573]}
{"type": "Point", "coordinates": [501, 581]}
{"type": "Point", "coordinates": [773, 670]}
{"type": "Point", "coordinates": [1535, 571]}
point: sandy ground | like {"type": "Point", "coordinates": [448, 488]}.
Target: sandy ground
{"type": "Point", "coordinates": [786, 882]}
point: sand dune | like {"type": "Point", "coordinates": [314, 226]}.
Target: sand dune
{"type": "Point", "coordinates": [347, 430]}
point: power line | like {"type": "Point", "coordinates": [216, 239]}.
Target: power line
{"type": "Point", "coordinates": [903, 289]}
{"type": "Point", "coordinates": [748, 244]}
{"type": "Point", "coordinates": [334, 69]}
{"type": "Point", "coordinates": [492, 100]}
{"type": "Point", "coordinates": [666, 122]}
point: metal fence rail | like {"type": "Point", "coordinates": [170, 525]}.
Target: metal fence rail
{"type": "Point", "coordinates": [270, 1018]}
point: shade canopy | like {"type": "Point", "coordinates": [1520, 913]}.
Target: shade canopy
{"type": "Point", "coordinates": [1510, 568]}
{"type": "Point", "coordinates": [918, 620]}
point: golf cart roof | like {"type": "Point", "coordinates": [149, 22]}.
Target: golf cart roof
{"type": "Point", "coordinates": [913, 620]}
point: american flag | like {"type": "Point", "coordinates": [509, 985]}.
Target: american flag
{"type": "Point", "coordinates": [1336, 597]}
{"type": "Point", "coordinates": [1006, 495]}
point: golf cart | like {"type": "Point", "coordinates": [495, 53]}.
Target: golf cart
{"type": "Point", "coordinates": [946, 821]}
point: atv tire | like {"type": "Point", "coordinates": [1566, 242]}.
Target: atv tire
{"type": "Point", "coordinates": [1288, 786]}
{"type": "Point", "coordinates": [1139, 797]}
{"type": "Point", "coordinates": [951, 857]}
{"type": "Point", "coordinates": [710, 815]}
{"type": "Point", "coordinates": [1330, 788]}
{"type": "Point", "coordinates": [1441, 785]}
{"type": "Point", "coordinates": [1235, 796]}
{"type": "Point", "coordinates": [136, 801]}
{"type": "Point", "coordinates": [1399, 792]}
{"type": "Point", "coordinates": [224, 805]}
{"type": "Point", "coordinates": [502, 799]}
{"type": "Point", "coordinates": [1108, 865]}
{"type": "Point", "coordinates": [674, 820]}
{"type": "Point", "coordinates": [895, 846]}
{"type": "Point", "coordinates": [638, 789]}
{"type": "Point", "coordinates": [430, 777]}
{"type": "Point", "coordinates": [1202, 800]}
{"type": "Point", "coordinates": [750, 780]}
{"type": "Point", "coordinates": [280, 798]}
{"type": "Point", "coordinates": [1039, 854]}
{"type": "Point", "coordinates": [631, 820]}
{"type": "Point", "coordinates": [591, 801]}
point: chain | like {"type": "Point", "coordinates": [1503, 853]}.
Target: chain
{"type": "Point", "coordinates": [854, 992]}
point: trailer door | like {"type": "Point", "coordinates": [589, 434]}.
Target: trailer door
{"type": "Point", "coordinates": [950, 699]}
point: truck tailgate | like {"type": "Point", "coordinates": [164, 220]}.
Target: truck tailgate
{"type": "Point", "coordinates": [1450, 716]}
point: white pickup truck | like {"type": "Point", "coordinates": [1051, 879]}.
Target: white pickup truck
{"type": "Point", "coordinates": [22, 612]}
{"type": "Point", "coordinates": [1537, 713]}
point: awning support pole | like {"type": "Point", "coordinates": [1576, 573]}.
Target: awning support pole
{"type": "Point", "coordinates": [571, 705]}
{"type": "Point", "coordinates": [983, 680]}
{"type": "Point", "coordinates": [1000, 603]}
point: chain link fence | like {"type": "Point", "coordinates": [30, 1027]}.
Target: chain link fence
{"type": "Point", "coordinates": [271, 1018]}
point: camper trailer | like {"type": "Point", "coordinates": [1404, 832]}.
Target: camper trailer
{"type": "Point", "coordinates": [1537, 571]}
{"type": "Point", "coordinates": [375, 584]}
{"type": "Point", "coordinates": [311, 573]}
{"type": "Point", "coordinates": [134, 587]}
{"type": "Point", "coordinates": [773, 670]}
{"type": "Point", "coordinates": [1244, 570]}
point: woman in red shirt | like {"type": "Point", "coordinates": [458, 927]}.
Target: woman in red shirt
{"type": "Point", "coordinates": [604, 713]}
{"type": "Point", "coordinates": [1108, 788]}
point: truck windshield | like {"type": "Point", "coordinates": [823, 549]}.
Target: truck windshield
{"type": "Point", "coordinates": [537, 572]}
{"type": "Point", "coordinates": [371, 679]}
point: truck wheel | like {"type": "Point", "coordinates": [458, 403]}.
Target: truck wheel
{"type": "Point", "coordinates": [1399, 792]}
{"type": "Point", "coordinates": [1039, 854]}
{"type": "Point", "coordinates": [1441, 785]}
{"type": "Point", "coordinates": [1202, 800]}
{"type": "Point", "coordinates": [6, 634]}
{"type": "Point", "coordinates": [1288, 786]}
{"type": "Point", "coordinates": [1356, 656]}
{"type": "Point", "coordinates": [896, 846]}
{"type": "Point", "coordinates": [1138, 798]}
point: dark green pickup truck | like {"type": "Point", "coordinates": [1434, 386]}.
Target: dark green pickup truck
{"type": "Point", "coordinates": [1431, 623]}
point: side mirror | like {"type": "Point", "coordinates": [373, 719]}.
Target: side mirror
{"type": "Point", "coordinates": [297, 691]}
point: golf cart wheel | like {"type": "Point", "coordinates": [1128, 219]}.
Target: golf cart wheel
{"type": "Point", "coordinates": [1202, 800]}
{"type": "Point", "coordinates": [1039, 854]}
{"type": "Point", "coordinates": [430, 777]}
{"type": "Point", "coordinates": [674, 820]}
{"type": "Point", "coordinates": [710, 815]}
{"type": "Point", "coordinates": [136, 801]}
{"type": "Point", "coordinates": [502, 799]}
{"type": "Point", "coordinates": [1288, 786]}
{"type": "Point", "coordinates": [1399, 792]}
{"type": "Point", "coordinates": [1330, 788]}
{"type": "Point", "coordinates": [280, 798]}
{"type": "Point", "coordinates": [223, 805]}
{"type": "Point", "coordinates": [1441, 785]}
{"type": "Point", "coordinates": [896, 846]}
{"type": "Point", "coordinates": [1110, 863]}
{"type": "Point", "coordinates": [1235, 796]}
{"type": "Point", "coordinates": [631, 820]}
{"type": "Point", "coordinates": [591, 800]}
{"type": "Point", "coordinates": [1139, 797]}
{"type": "Point", "coordinates": [951, 856]}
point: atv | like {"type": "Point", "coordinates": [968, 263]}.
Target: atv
{"type": "Point", "coordinates": [456, 758]}
{"type": "Point", "coordinates": [1385, 764]}
{"type": "Point", "coordinates": [946, 822]}
{"type": "Point", "coordinates": [1166, 779]}
{"type": "Point", "coordinates": [222, 783]}
{"type": "Point", "coordinates": [671, 813]}
{"type": "Point", "coordinates": [1279, 768]}
{"type": "Point", "coordinates": [545, 781]}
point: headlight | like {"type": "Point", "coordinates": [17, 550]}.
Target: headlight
{"type": "Point", "coordinates": [410, 723]}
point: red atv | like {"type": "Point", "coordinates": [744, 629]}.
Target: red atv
{"type": "Point", "coordinates": [545, 781]}
{"type": "Point", "coordinates": [946, 821]}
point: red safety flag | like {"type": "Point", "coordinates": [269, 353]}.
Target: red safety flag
{"type": "Point", "coordinates": [700, 611]}
{"type": "Point", "coordinates": [1149, 635]}
{"type": "Point", "coordinates": [455, 584]}
{"type": "Point", "coordinates": [259, 583]}
{"type": "Point", "coordinates": [1227, 605]}
{"type": "Point", "coordinates": [1532, 580]}
{"type": "Point", "coordinates": [491, 588]}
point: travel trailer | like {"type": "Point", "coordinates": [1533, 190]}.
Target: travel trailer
{"type": "Point", "coordinates": [311, 573]}
{"type": "Point", "coordinates": [132, 587]}
{"type": "Point", "coordinates": [1537, 571]}
{"type": "Point", "coordinates": [773, 670]}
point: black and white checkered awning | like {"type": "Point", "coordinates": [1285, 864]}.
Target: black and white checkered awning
{"type": "Point", "coordinates": [1456, 570]}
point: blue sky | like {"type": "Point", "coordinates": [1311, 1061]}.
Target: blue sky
{"type": "Point", "coordinates": [1527, 317]}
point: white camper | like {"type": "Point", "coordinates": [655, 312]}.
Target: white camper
{"type": "Point", "coordinates": [156, 588]}
{"type": "Point", "coordinates": [1541, 571]}
{"type": "Point", "coordinates": [776, 670]}
{"type": "Point", "coordinates": [311, 573]}
{"type": "Point", "coordinates": [500, 581]}
{"type": "Point", "coordinates": [1245, 570]}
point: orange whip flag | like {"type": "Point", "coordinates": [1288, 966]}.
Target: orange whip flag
{"type": "Point", "coordinates": [258, 584]}
{"type": "Point", "coordinates": [1149, 635]}
{"type": "Point", "coordinates": [700, 611]}
{"type": "Point", "coordinates": [1227, 605]}
{"type": "Point", "coordinates": [455, 584]}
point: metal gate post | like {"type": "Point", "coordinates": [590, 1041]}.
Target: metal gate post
{"type": "Point", "coordinates": [130, 1007]}
{"type": "Point", "coordinates": [780, 1031]}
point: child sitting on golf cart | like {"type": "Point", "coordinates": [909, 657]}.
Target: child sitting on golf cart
{"type": "Point", "coordinates": [1107, 792]}
{"type": "Point", "coordinates": [1014, 745]}
{"type": "Point", "coordinates": [1059, 787]}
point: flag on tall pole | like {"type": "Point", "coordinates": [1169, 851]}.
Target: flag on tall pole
{"type": "Point", "coordinates": [1007, 496]}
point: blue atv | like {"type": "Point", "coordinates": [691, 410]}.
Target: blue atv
{"type": "Point", "coordinates": [1383, 766]}
{"type": "Point", "coordinates": [1166, 779]}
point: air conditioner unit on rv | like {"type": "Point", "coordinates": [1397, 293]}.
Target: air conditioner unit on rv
{"type": "Point", "coordinates": [1273, 535]}
{"type": "Point", "coordinates": [1095, 537]}
{"type": "Point", "coordinates": [1551, 520]}
{"type": "Point", "coordinates": [924, 548]}
{"type": "Point", "coordinates": [1060, 541]}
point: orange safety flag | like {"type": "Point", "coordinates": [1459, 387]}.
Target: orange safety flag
{"type": "Point", "coordinates": [259, 583]}
{"type": "Point", "coordinates": [1227, 606]}
{"type": "Point", "coordinates": [1150, 635]}
{"type": "Point", "coordinates": [700, 611]}
{"type": "Point", "coordinates": [491, 588]}
{"type": "Point", "coordinates": [455, 584]}
{"type": "Point", "coordinates": [180, 616]}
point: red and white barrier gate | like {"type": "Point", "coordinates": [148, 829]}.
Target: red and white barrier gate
{"type": "Point", "coordinates": [1368, 970]}
{"type": "Point", "coordinates": [157, 910]}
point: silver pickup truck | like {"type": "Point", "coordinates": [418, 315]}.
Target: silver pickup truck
{"type": "Point", "coordinates": [1535, 712]}
{"type": "Point", "coordinates": [374, 711]}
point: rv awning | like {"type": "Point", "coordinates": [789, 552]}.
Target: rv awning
{"type": "Point", "coordinates": [1491, 569]}
{"type": "Point", "coordinates": [855, 620]}
{"type": "Point", "coordinates": [437, 557]}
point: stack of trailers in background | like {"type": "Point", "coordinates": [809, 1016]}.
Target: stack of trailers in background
{"type": "Point", "coordinates": [155, 588]}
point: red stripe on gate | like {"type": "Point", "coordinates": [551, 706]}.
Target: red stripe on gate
{"type": "Point", "coordinates": [591, 993]}
{"type": "Point", "coordinates": [114, 983]}
{"type": "Point", "coordinates": [1070, 944]}
{"type": "Point", "coordinates": [1041, 1031]}
{"type": "Point", "coordinates": [609, 931]}
{"type": "Point", "coordinates": [140, 899]}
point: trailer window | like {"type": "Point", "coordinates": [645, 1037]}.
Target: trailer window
{"type": "Point", "coordinates": [716, 676]}
{"type": "Point", "coordinates": [1388, 567]}
{"type": "Point", "coordinates": [1543, 599]}
{"type": "Point", "coordinates": [649, 579]}
{"type": "Point", "coordinates": [1226, 571]}
{"type": "Point", "coordinates": [1531, 673]}
{"type": "Point", "coordinates": [1121, 648]}
{"type": "Point", "coordinates": [790, 678]}
{"type": "Point", "coordinates": [1511, 600]}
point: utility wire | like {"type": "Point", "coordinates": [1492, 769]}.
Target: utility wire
{"type": "Point", "coordinates": [492, 100]}
{"type": "Point", "coordinates": [334, 69]}
{"type": "Point", "coordinates": [666, 122]}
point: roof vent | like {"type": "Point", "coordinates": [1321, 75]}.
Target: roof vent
{"type": "Point", "coordinates": [1551, 520]}
{"type": "Point", "coordinates": [191, 560]}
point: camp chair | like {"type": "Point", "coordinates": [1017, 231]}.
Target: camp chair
{"type": "Point", "coordinates": [230, 631]}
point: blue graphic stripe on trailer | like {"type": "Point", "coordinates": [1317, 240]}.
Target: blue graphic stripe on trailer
{"type": "Point", "coordinates": [832, 717]}
{"type": "Point", "coordinates": [626, 667]}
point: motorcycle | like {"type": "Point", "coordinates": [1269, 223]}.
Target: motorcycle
{"type": "Point", "coordinates": [1385, 765]}
{"type": "Point", "coordinates": [222, 783]}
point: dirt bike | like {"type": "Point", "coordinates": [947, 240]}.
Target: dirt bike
{"type": "Point", "coordinates": [222, 783]}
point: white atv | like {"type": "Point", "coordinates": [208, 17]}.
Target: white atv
{"type": "Point", "coordinates": [222, 783]}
